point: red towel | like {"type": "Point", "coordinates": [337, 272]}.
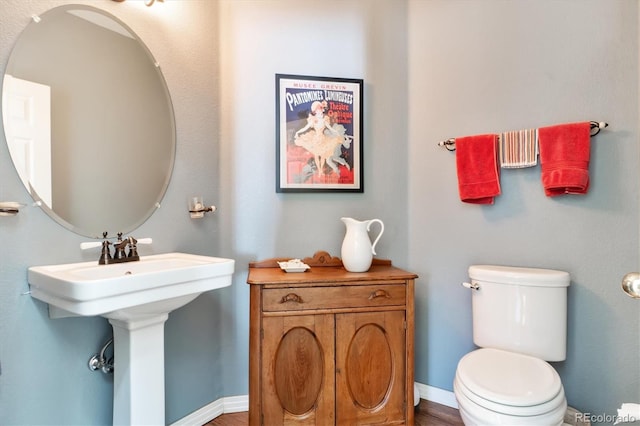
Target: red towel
{"type": "Point", "coordinates": [477, 165]}
{"type": "Point", "coordinates": [564, 158]}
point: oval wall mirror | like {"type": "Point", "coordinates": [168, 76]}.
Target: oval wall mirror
{"type": "Point", "coordinates": [88, 120]}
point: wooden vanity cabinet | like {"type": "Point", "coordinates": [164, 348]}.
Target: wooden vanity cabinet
{"type": "Point", "coordinates": [329, 346]}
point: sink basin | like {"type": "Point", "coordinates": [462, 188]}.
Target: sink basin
{"type": "Point", "coordinates": [152, 285]}
{"type": "Point", "coordinates": [136, 297]}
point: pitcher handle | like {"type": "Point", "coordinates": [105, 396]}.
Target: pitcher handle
{"type": "Point", "coordinates": [373, 246]}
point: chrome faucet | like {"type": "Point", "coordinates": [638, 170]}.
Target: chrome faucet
{"type": "Point", "coordinates": [120, 253]}
{"type": "Point", "coordinates": [124, 250]}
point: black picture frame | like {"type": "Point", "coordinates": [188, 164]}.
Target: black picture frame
{"type": "Point", "coordinates": [319, 143]}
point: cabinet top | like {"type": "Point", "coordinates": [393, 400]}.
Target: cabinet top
{"type": "Point", "coordinates": [324, 269]}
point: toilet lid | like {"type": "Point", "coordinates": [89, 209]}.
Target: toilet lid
{"type": "Point", "coordinates": [509, 378]}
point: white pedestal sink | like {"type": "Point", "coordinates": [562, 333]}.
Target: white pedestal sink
{"type": "Point", "coordinates": [136, 298]}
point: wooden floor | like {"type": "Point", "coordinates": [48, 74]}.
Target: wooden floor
{"type": "Point", "coordinates": [427, 413]}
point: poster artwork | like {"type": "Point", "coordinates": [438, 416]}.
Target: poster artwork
{"type": "Point", "coordinates": [320, 128]}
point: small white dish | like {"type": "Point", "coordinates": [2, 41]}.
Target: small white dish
{"type": "Point", "coordinates": [294, 265]}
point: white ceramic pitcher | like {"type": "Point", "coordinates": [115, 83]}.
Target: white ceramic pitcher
{"type": "Point", "coordinates": [357, 250]}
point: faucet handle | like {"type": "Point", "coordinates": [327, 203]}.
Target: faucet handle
{"type": "Point", "coordinates": [90, 245]}
{"type": "Point", "coordinates": [145, 240]}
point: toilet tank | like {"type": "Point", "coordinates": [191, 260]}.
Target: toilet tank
{"type": "Point", "coordinates": [520, 310]}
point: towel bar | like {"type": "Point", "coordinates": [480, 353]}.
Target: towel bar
{"type": "Point", "coordinates": [596, 126]}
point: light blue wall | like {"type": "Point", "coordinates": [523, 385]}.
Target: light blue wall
{"type": "Point", "coordinates": [44, 377]}
{"type": "Point", "coordinates": [224, 104]}
{"type": "Point", "coordinates": [432, 69]}
{"type": "Point", "coordinates": [491, 66]}
{"type": "Point", "coordinates": [352, 39]}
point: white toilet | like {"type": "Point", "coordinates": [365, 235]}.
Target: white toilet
{"type": "Point", "coordinates": [519, 322]}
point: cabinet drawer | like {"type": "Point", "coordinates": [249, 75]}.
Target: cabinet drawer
{"type": "Point", "coordinates": [295, 299]}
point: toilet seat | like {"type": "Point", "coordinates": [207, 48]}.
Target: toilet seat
{"type": "Point", "coordinates": [462, 392]}
{"type": "Point", "coordinates": [509, 383]}
{"type": "Point", "coordinates": [473, 414]}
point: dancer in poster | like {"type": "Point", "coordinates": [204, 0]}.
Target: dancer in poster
{"type": "Point", "coordinates": [320, 138]}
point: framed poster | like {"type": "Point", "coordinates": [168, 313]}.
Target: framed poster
{"type": "Point", "coordinates": [318, 134]}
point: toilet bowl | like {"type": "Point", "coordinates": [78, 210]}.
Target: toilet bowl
{"type": "Point", "coordinates": [496, 387]}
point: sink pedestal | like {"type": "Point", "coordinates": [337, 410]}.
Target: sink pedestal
{"type": "Point", "coordinates": [138, 386]}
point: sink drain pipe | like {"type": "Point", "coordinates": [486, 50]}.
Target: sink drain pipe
{"type": "Point", "coordinates": [99, 361]}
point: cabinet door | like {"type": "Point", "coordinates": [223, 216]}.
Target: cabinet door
{"type": "Point", "coordinates": [298, 379]}
{"type": "Point", "coordinates": [370, 368]}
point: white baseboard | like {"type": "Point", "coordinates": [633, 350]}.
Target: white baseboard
{"type": "Point", "coordinates": [235, 404]}
{"type": "Point", "coordinates": [228, 404]}
{"type": "Point", "coordinates": [437, 395]}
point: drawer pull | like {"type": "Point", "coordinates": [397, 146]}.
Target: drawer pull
{"type": "Point", "coordinates": [291, 297]}
{"type": "Point", "coordinates": [379, 293]}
